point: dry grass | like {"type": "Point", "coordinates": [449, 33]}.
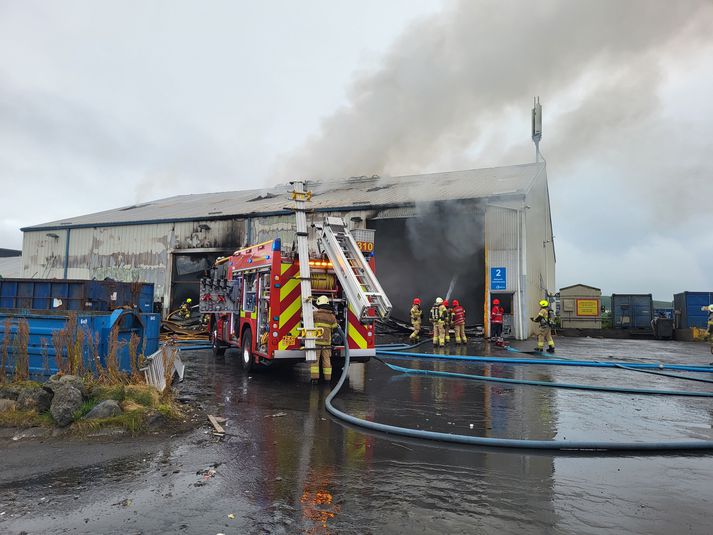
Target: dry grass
{"type": "Point", "coordinates": [20, 346]}
{"type": "Point", "coordinates": [4, 349]}
{"type": "Point", "coordinates": [133, 421]}
{"type": "Point", "coordinates": [169, 359]}
{"type": "Point", "coordinates": [25, 419]}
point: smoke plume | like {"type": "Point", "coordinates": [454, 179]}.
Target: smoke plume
{"type": "Point", "coordinates": [453, 75]}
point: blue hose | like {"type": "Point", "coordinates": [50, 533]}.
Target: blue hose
{"type": "Point", "coordinates": [552, 445]}
{"type": "Point", "coordinates": [550, 384]}
{"type": "Point", "coordinates": [551, 362]}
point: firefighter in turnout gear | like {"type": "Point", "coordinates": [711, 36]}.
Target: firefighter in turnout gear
{"type": "Point", "coordinates": [496, 323]}
{"type": "Point", "coordinates": [544, 320]}
{"type": "Point", "coordinates": [185, 310]}
{"type": "Point", "coordinates": [709, 331]}
{"type": "Point", "coordinates": [416, 314]}
{"type": "Point", "coordinates": [438, 319]}
{"type": "Point", "coordinates": [459, 322]}
{"type": "Point", "coordinates": [448, 323]}
{"type": "Point", "coordinates": [325, 319]}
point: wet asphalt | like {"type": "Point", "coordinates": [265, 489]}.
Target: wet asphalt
{"type": "Point", "coordinates": [286, 466]}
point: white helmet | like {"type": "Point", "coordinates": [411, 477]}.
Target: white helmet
{"type": "Point", "coordinates": [710, 308]}
{"type": "Point", "coordinates": [322, 300]}
{"type": "Point", "coordinates": [439, 300]}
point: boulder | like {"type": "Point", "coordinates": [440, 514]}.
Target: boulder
{"type": "Point", "coordinates": [36, 399]}
{"type": "Point", "coordinates": [7, 405]}
{"type": "Point", "coordinates": [66, 402]}
{"type": "Point", "coordinates": [155, 419]}
{"type": "Point", "coordinates": [9, 391]}
{"type": "Point", "coordinates": [105, 409]}
{"type": "Point", "coordinates": [58, 381]}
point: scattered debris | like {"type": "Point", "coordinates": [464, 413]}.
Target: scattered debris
{"type": "Point", "coordinates": [276, 415]}
{"type": "Point", "coordinates": [231, 516]}
{"type": "Point", "coordinates": [218, 428]}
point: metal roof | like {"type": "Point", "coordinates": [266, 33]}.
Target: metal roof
{"type": "Point", "coordinates": [352, 193]}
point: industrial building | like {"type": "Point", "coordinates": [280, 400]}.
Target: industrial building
{"type": "Point", "coordinates": [481, 233]}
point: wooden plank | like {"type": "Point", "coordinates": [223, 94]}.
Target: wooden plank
{"type": "Point", "coordinates": [216, 425]}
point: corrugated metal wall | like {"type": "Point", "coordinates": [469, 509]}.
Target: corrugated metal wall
{"type": "Point", "coordinates": [501, 237]}
{"type": "Point", "coordinates": [124, 253]}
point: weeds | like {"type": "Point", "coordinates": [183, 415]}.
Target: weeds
{"type": "Point", "coordinates": [25, 419]}
{"type": "Point", "coordinates": [132, 421]}
{"type": "Point", "coordinates": [168, 354]}
{"type": "Point", "coordinates": [4, 348]}
{"type": "Point", "coordinates": [21, 343]}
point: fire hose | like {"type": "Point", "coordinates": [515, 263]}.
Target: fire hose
{"type": "Point", "coordinates": [512, 443]}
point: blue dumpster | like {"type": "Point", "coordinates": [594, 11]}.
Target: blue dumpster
{"type": "Point", "coordinates": [41, 350]}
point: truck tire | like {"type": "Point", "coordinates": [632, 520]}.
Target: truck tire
{"type": "Point", "coordinates": [246, 353]}
{"type": "Point", "coordinates": [217, 347]}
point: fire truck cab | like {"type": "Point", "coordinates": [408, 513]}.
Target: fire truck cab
{"type": "Point", "coordinates": [255, 298]}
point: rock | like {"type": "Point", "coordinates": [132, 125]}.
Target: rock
{"type": "Point", "coordinates": [9, 391]}
{"type": "Point", "coordinates": [155, 419]}
{"type": "Point", "coordinates": [58, 381]}
{"type": "Point", "coordinates": [105, 409]}
{"type": "Point", "coordinates": [36, 399]}
{"type": "Point", "coordinates": [7, 405]}
{"type": "Point", "coordinates": [66, 401]}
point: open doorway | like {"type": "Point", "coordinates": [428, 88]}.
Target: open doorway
{"type": "Point", "coordinates": [506, 302]}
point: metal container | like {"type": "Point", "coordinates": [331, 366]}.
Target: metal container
{"type": "Point", "coordinates": [77, 295]}
{"type": "Point", "coordinates": [632, 311]}
{"type": "Point", "coordinates": [688, 311]}
{"type": "Point", "coordinates": [41, 350]}
{"type": "Point", "coordinates": [663, 328]}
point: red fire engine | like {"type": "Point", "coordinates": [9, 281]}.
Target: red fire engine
{"type": "Point", "coordinates": [258, 298]}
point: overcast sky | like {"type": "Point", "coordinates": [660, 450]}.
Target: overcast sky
{"type": "Point", "coordinates": [103, 104]}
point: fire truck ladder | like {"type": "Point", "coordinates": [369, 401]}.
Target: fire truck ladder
{"type": "Point", "coordinates": [362, 289]}
{"type": "Point", "coordinates": [300, 196]}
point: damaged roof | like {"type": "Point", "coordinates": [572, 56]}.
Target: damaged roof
{"type": "Point", "coordinates": [357, 193]}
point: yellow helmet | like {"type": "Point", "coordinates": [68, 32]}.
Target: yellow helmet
{"type": "Point", "coordinates": [189, 300]}
{"type": "Point", "coordinates": [544, 303]}
{"type": "Point", "coordinates": [322, 300]}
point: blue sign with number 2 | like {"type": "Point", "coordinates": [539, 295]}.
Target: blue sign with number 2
{"type": "Point", "coordinates": [498, 278]}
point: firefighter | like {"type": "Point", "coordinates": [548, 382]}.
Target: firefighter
{"type": "Point", "coordinates": [416, 313]}
{"type": "Point", "coordinates": [709, 331]}
{"type": "Point", "coordinates": [496, 323]}
{"type": "Point", "coordinates": [544, 319]}
{"type": "Point", "coordinates": [448, 322]}
{"type": "Point", "coordinates": [459, 322]}
{"type": "Point", "coordinates": [438, 318]}
{"type": "Point", "coordinates": [325, 319]}
{"type": "Point", "coordinates": [185, 310]}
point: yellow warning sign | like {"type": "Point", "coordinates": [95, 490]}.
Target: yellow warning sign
{"type": "Point", "coordinates": [587, 307]}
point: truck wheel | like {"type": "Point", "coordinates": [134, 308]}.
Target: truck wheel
{"type": "Point", "coordinates": [246, 354]}
{"type": "Point", "coordinates": [218, 349]}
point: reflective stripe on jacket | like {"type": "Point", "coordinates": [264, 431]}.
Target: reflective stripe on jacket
{"type": "Point", "coordinates": [327, 321]}
{"type": "Point", "coordinates": [496, 315]}
{"type": "Point", "coordinates": [458, 315]}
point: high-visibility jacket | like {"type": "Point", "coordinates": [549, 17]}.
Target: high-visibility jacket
{"type": "Point", "coordinates": [496, 315]}
{"type": "Point", "coordinates": [544, 317]}
{"type": "Point", "coordinates": [325, 319]}
{"type": "Point", "coordinates": [416, 313]}
{"type": "Point", "coordinates": [444, 315]}
{"type": "Point", "coordinates": [458, 315]}
{"type": "Point", "coordinates": [435, 313]}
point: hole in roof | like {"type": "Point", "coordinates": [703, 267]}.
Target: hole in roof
{"type": "Point", "coordinates": [377, 188]}
{"type": "Point", "coordinates": [134, 206]}
{"type": "Point", "coordinates": [267, 195]}
{"type": "Point", "coordinates": [215, 212]}
{"type": "Point", "coordinates": [360, 202]}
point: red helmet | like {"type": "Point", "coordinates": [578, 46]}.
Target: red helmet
{"type": "Point", "coordinates": [496, 301]}
{"type": "Point", "coordinates": [445, 302]}
{"type": "Point", "coordinates": [456, 303]}
{"type": "Point", "coordinates": [416, 301]}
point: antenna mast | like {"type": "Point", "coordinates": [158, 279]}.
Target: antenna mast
{"type": "Point", "coordinates": [537, 126]}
